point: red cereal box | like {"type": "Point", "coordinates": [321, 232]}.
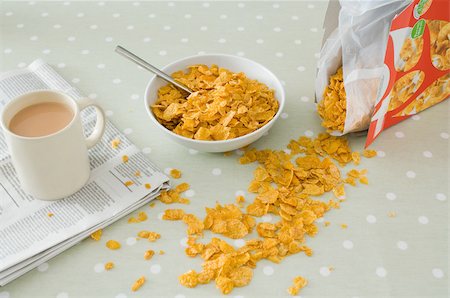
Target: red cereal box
{"type": "Point", "coordinates": [417, 63]}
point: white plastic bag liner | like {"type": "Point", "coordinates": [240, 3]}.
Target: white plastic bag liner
{"type": "Point", "coordinates": [359, 45]}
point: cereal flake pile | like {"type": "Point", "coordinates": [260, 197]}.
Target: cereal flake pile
{"type": "Point", "coordinates": [333, 108]}
{"type": "Point", "coordinates": [287, 184]}
{"type": "Point", "coordinates": [225, 105]}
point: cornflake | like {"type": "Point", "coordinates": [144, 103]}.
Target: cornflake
{"type": "Point", "coordinates": [115, 143]}
{"type": "Point", "coordinates": [97, 235]}
{"type": "Point", "coordinates": [125, 158]}
{"type": "Point", "coordinates": [113, 244]}
{"type": "Point", "coordinates": [142, 216]}
{"type": "Point", "coordinates": [333, 108]}
{"type": "Point", "coordinates": [176, 174]}
{"type": "Point", "coordinates": [368, 153]}
{"type": "Point", "coordinates": [149, 254]}
{"type": "Point", "coordinates": [223, 106]}
{"type": "Point", "coordinates": [109, 266]}
{"type": "Point", "coordinates": [50, 214]}
{"type": "Point", "coordinates": [138, 283]}
{"type": "Point", "coordinates": [173, 195]}
{"type": "Point", "coordinates": [128, 183]}
{"type": "Point", "coordinates": [173, 214]}
{"type": "Point", "coordinates": [147, 185]}
{"type": "Point", "coordinates": [150, 236]}
{"type": "Point", "coordinates": [299, 283]}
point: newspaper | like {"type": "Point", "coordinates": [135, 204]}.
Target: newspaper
{"type": "Point", "coordinates": [28, 235]}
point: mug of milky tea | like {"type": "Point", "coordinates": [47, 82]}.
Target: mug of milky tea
{"type": "Point", "coordinates": [46, 142]}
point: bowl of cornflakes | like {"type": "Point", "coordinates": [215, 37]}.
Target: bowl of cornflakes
{"type": "Point", "coordinates": [234, 103]}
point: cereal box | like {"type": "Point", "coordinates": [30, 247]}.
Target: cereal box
{"type": "Point", "coordinates": [416, 64]}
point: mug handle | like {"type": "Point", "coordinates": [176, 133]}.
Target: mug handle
{"type": "Point", "coordinates": [99, 128]}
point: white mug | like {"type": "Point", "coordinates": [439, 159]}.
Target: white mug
{"type": "Point", "coordinates": [54, 166]}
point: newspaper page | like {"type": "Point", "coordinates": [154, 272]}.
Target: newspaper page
{"type": "Point", "coordinates": [28, 235]}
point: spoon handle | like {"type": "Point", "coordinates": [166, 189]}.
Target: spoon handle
{"type": "Point", "coordinates": [139, 61]}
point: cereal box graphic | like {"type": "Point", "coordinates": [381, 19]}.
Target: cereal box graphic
{"type": "Point", "coordinates": [417, 63]}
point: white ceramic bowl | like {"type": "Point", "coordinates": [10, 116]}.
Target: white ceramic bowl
{"type": "Point", "coordinates": [252, 70]}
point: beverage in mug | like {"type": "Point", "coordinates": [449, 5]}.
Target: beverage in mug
{"type": "Point", "coordinates": [46, 142]}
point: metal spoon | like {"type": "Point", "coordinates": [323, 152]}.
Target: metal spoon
{"type": "Point", "coordinates": [139, 61]}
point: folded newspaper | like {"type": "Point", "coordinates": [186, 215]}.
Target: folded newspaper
{"type": "Point", "coordinates": [28, 235]}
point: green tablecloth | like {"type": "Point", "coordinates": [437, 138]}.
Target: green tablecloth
{"type": "Point", "coordinates": [376, 256]}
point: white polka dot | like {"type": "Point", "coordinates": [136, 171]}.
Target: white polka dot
{"type": "Point", "coordinates": [31, 3]}
{"type": "Point", "coordinates": [127, 131]}
{"type": "Point", "coordinates": [80, 15]}
{"type": "Point", "coordinates": [134, 96]}
{"type": "Point", "coordinates": [206, 4]}
{"type": "Point", "coordinates": [116, 15]}
{"type": "Point", "coordinates": [391, 196]}
{"type": "Point", "coordinates": [277, 29]}
{"type": "Point", "coordinates": [108, 39]}
{"type": "Point", "coordinates": [34, 38]}
{"type": "Point", "coordinates": [324, 271]}
{"type": "Point", "coordinates": [183, 242]}
{"type": "Point", "coordinates": [192, 151]}
{"type": "Point", "coordinates": [314, 29]}
{"type": "Point", "coordinates": [101, 3]}
{"type": "Point", "coordinates": [187, 16]}
{"type": "Point", "coordinates": [381, 153]}
{"type": "Point", "coordinates": [276, 5]}
{"type": "Point", "coordinates": [295, 18]}
{"type": "Point", "coordinates": [437, 272]}
{"type": "Point", "coordinates": [44, 14]}
{"type": "Point", "coordinates": [99, 267]}
{"type": "Point", "coordinates": [130, 27]}
{"type": "Point", "coordinates": [239, 152]}
{"type": "Point", "coordinates": [301, 68]}
{"type": "Point", "coordinates": [109, 113]}
{"type": "Point", "coordinates": [222, 40]}
{"type": "Point", "coordinates": [411, 174]}
{"type": "Point", "coordinates": [71, 38]}
{"type": "Point", "coordinates": [180, 296]}
{"type": "Point", "coordinates": [371, 219]}
{"type": "Point", "coordinates": [381, 272]}
{"type": "Point", "coordinates": [216, 171]}
{"type": "Point", "coordinates": [62, 295]}
{"type": "Point", "coordinates": [167, 27]}
{"type": "Point", "coordinates": [9, 13]}
{"type": "Point", "coordinates": [46, 51]}
{"type": "Point", "coordinates": [75, 80]}
{"type": "Point", "coordinates": [171, 4]}
{"type": "Point", "coordinates": [304, 98]}
{"type": "Point", "coordinates": [284, 115]}
{"type": "Point", "coordinates": [399, 134]}
{"type": "Point", "coordinates": [268, 270]}
{"type": "Point", "coordinates": [240, 54]}
{"type": "Point", "coordinates": [7, 51]}
{"type": "Point", "coordinates": [155, 269]}
{"type": "Point", "coordinates": [287, 151]}
{"type": "Point", "coordinates": [239, 243]}
{"type": "Point", "coordinates": [201, 53]}
{"type": "Point", "coordinates": [92, 95]}
{"type": "Point", "coordinates": [266, 218]}
{"type": "Point", "coordinates": [189, 193]}
{"type": "Point", "coordinates": [239, 193]}
{"type": "Point", "coordinates": [152, 15]}
{"type": "Point", "coordinates": [4, 294]}
{"type": "Point", "coordinates": [283, 83]}
{"type": "Point", "coordinates": [427, 154]}
{"type": "Point", "coordinates": [147, 150]}
{"type": "Point", "coordinates": [241, 5]}
{"type": "Point", "coordinates": [93, 27]}
{"type": "Point", "coordinates": [259, 41]}
{"type": "Point", "coordinates": [310, 6]}
{"type": "Point", "coordinates": [184, 40]}
{"type": "Point", "coordinates": [259, 17]}
{"type": "Point", "coordinates": [57, 26]}
{"type": "Point", "coordinates": [117, 81]}
{"type": "Point", "coordinates": [240, 29]}
{"type": "Point", "coordinates": [423, 220]}
{"type": "Point", "coordinates": [203, 28]}
{"type": "Point", "coordinates": [131, 241]}
{"type": "Point", "coordinates": [43, 267]}
{"type": "Point", "coordinates": [162, 53]}
{"type": "Point", "coordinates": [297, 41]}
{"type": "Point", "coordinates": [20, 26]}
{"type": "Point", "coordinates": [66, 3]}
{"type": "Point", "coordinates": [121, 295]}
{"type": "Point", "coordinates": [21, 64]}
{"type": "Point", "coordinates": [320, 219]}
{"type": "Point", "coordinates": [444, 135]}
{"type": "Point", "coordinates": [316, 55]}
{"type": "Point", "coordinates": [308, 133]}
{"type": "Point", "coordinates": [136, 4]}
{"type": "Point", "coordinates": [223, 17]}
{"type": "Point", "coordinates": [101, 66]}
{"type": "Point", "coordinates": [441, 197]}
{"type": "Point", "coordinates": [347, 244]}
{"type": "Point", "coordinates": [402, 245]}
{"type": "Point", "coordinates": [61, 65]}
{"type": "Point", "coordinates": [146, 39]}
{"type": "Point", "coordinates": [279, 54]}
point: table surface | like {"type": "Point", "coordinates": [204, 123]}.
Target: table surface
{"type": "Point", "coordinates": [376, 256]}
